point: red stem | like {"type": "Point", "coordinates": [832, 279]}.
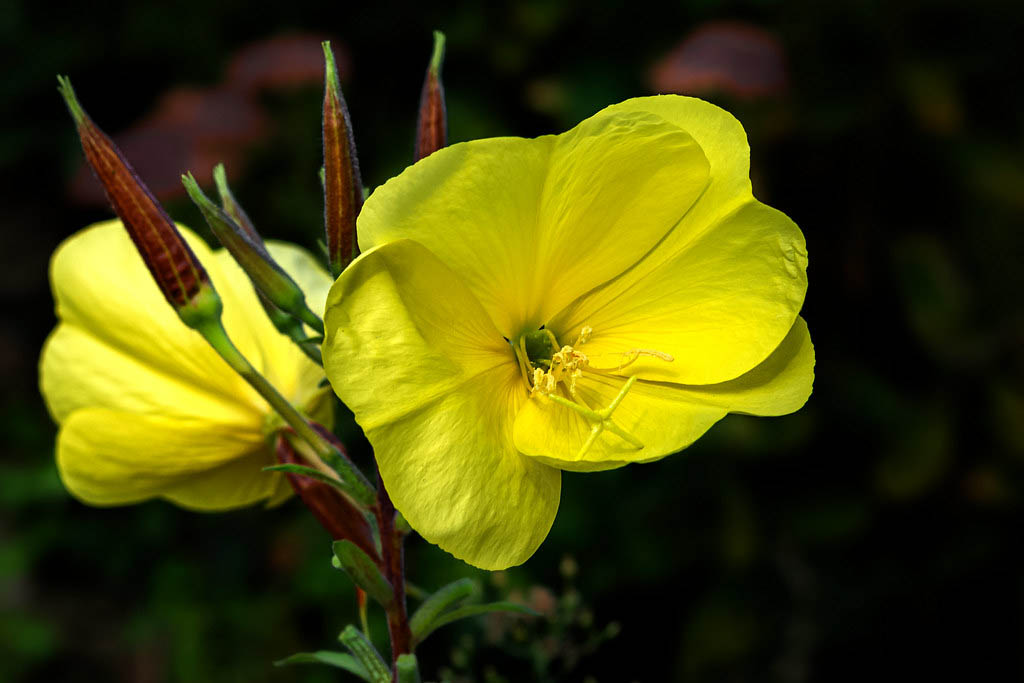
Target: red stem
{"type": "Point", "coordinates": [392, 552]}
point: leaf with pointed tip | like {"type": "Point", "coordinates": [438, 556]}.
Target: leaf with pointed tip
{"type": "Point", "coordinates": [339, 660]}
{"type": "Point", "coordinates": [448, 596]}
{"type": "Point", "coordinates": [472, 611]}
{"type": "Point", "coordinates": [307, 472]}
{"type": "Point", "coordinates": [364, 572]}
{"type": "Point", "coordinates": [366, 653]}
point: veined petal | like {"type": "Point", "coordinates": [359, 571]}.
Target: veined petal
{"type": "Point", "coordinates": [147, 407]}
{"type": "Point", "coordinates": [109, 457]}
{"type": "Point", "coordinates": [102, 287]}
{"type": "Point", "coordinates": [529, 225]}
{"type": "Point", "coordinates": [665, 417]}
{"type": "Point", "coordinates": [435, 388]}
{"type": "Point", "coordinates": [79, 370]}
{"type": "Point", "coordinates": [718, 307]}
{"type": "Point", "coordinates": [119, 345]}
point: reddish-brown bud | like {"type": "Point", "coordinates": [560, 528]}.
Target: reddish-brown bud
{"type": "Point", "coordinates": [177, 271]}
{"type": "Point", "coordinates": [343, 187]}
{"type": "Point", "coordinates": [432, 124]}
{"type": "Point", "coordinates": [342, 519]}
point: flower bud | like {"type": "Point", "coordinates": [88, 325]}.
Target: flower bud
{"type": "Point", "coordinates": [232, 207]}
{"type": "Point", "coordinates": [343, 187]}
{"type": "Point", "coordinates": [176, 270]}
{"type": "Point", "coordinates": [336, 513]}
{"type": "Point", "coordinates": [266, 275]}
{"type": "Point", "coordinates": [432, 124]}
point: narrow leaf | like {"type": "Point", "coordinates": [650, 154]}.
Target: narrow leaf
{"type": "Point", "coordinates": [423, 619]}
{"type": "Point", "coordinates": [323, 495]}
{"type": "Point", "coordinates": [310, 472]}
{"type": "Point", "coordinates": [364, 572]}
{"type": "Point", "coordinates": [339, 660]}
{"type": "Point", "coordinates": [472, 611]}
{"type": "Point", "coordinates": [366, 653]}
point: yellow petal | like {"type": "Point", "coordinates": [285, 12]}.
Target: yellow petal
{"type": "Point", "coordinates": [272, 353]}
{"type": "Point", "coordinates": [435, 387]}
{"type": "Point", "coordinates": [79, 370]}
{"type": "Point", "coordinates": [108, 457]}
{"type": "Point", "coordinates": [718, 306]}
{"type": "Point", "coordinates": [121, 350]}
{"type": "Point", "coordinates": [120, 345]}
{"type": "Point", "coordinates": [664, 417]}
{"type": "Point", "coordinates": [529, 225]}
{"type": "Point", "coordinates": [103, 289]}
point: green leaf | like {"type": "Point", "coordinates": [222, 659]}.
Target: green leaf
{"type": "Point", "coordinates": [422, 621]}
{"type": "Point", "coordinates": [408, 669]}
{"type": "Point", "coordinates": [472, 611]}
{"type": "Point", "coordinates": [307, 472]}
{"type": "Point", "coordinates": [364, 572]}
{"type": "Point", "coordinates": [338, 660]}
{"type": "Point", "coordinates": [366, 653]}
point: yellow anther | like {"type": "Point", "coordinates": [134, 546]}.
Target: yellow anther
{"type": "Point", "coordinates": [543, 383]}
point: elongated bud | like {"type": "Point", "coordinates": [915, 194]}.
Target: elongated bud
{"type": "Point", "coordinates": [232, 207]}
{"type": "Point", "coordinates": [343, 187]}
{"type": "Point", "coordinates": [268, 277]}
{"type": "Point", "coordinates": [178, 273]}
{"type": "Point", "coordinates": [336, 513]}
{"type": "Point", "coordinates": [432, 125]}
{"type": "Point", "coordinates": [285, 323]}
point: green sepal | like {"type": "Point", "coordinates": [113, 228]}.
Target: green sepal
{"type": "Point", "coordinates": [364, 572]}
{"type": "Point", "coordinates": [448, 596]}
{"type": "Point", "coordinates": [364, 651]}
{"type": "Point", "coordinates": [347, 487]}
{"type": "Point", "coordinates": [407, 668]}
{"type": "Point", "coordinates": [339, 660]}
{"type": "Point", "coordinates": [472, 611]}
{"type": "Point", "coordinates": [310, 472]}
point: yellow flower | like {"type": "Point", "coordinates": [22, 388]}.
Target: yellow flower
{"type": "Point", "coordinates": [146, 407]}
{"type": "Point", "coordinates": [577, 302]}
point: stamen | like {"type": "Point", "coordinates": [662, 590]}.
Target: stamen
{"type": "Point", "coordinates": [545, 367]}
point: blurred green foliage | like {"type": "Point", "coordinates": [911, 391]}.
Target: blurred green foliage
{"type": "Point", "coordinates": [875, 534]}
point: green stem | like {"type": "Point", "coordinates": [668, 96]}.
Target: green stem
{"type": "Point", "coordinates": [312, 319]}
{"type": "Point", "coordinates": [217, 336]}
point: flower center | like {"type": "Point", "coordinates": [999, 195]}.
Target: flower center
{"type": "Point", "coordinates": [546, 367]}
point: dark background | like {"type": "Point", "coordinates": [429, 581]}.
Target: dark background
{"type": "Point", "coordinates": [876, 534]}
